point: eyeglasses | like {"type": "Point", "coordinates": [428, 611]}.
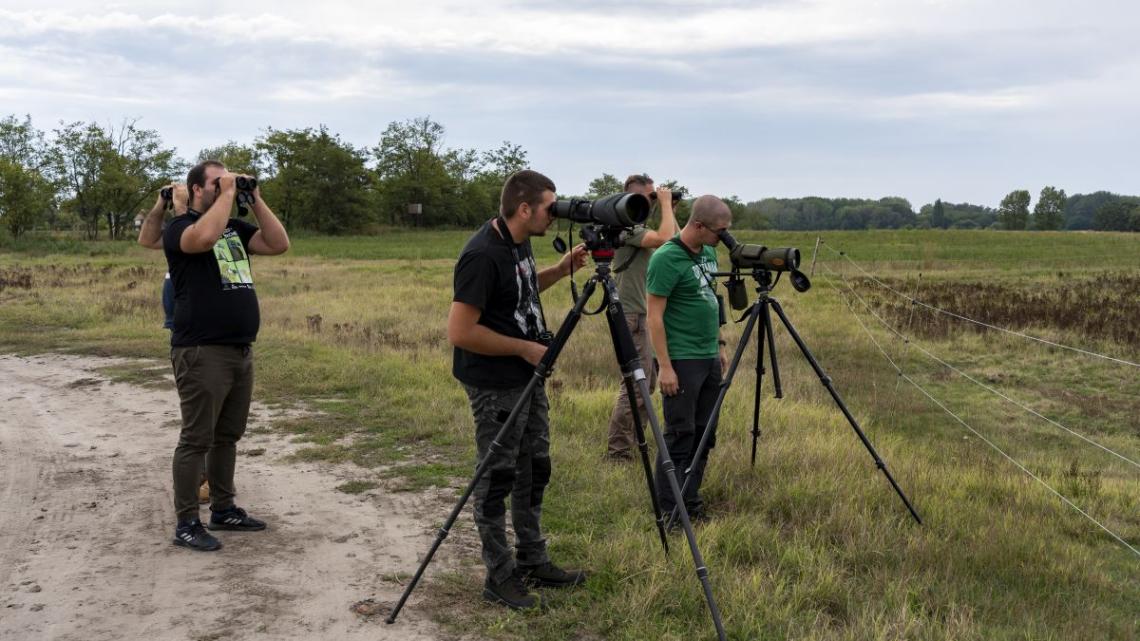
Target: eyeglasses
{"type": "Point", "coordinates": [718, 232]}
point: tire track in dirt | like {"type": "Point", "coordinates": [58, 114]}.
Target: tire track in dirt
{"type": "Point", "coordinates": [85, 549]}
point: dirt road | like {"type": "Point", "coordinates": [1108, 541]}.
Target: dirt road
{"type": "Point", "coordinates": [86, 522]}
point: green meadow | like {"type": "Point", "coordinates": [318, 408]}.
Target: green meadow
{"type": "Point", "coordinates": [811, 543]}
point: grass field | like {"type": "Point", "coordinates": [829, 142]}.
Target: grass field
{"type": "Point", "coordinates": [811, 543]}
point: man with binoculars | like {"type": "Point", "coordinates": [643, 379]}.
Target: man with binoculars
{"type": "Point", "coordinates": [216, 320]}
{"type": "Point", "coordinates": [630, 263]}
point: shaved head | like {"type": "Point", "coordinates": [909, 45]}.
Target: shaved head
{"type": "Point", "coordinates": [710, 211]}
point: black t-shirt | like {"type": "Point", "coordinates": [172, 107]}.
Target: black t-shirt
{"type": "Point", "coordinates": [214, 299]}
{"type": "Point", "coordinates": [501, 279]}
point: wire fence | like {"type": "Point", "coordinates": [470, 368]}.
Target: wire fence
{"type": "Point", "coordinates": [847, 294]}
{"type": "Point", "coordinates": [938, 310]}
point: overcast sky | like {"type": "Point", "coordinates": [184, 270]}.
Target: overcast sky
{"type": "Point", "coordinates": [962, 100]}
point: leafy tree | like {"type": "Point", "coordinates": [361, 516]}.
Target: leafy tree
{"type": "Point", "coordinates": [1114, 216]}
{"type": "Point", "coordinates": [1014, 210]}
{"type": "Point", "coordinates": [78, 156]}
{"type": "Point", "coordinates": [412, 168]}
{"type": "Point", "coordinates": [480, 196]}
{"type": "Point", "coordinates": [25, 196]}
{"type": "Point", "coordinates": [22, 143]}
{"type": "Point", "coordinates": [604, 185]}
{"type": "Point", "coordinates": [1049, 213]}
{"type": "Point", "coordinates": [239, 159]}
{"type": "Point", "coordinates": [1080, 209]}
{"type": "Point", "coordinates": [938, 217]}
{"type": "Point", "coordinates": [311, 178]}
{"type": "Point", "coordinates": [109, 173]}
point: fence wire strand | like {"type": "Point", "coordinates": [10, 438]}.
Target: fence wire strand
{"type": "Point", "coordinates": [975, 381]}
{"type": "Point", "coordinates": [975, 432]}
{"type": "Point", "coordinates": [915, 301]}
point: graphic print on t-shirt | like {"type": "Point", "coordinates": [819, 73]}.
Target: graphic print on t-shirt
{"type": "Point", "coordinates": [527, 312]}
{"type": "Point", "coordinates": [233, 262]}
{"type": "Point", "coordinates": [702, 274]}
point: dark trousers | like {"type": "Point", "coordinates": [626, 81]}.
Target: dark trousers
{"type": "Point", "coordinates": [686, 414]}
{"type": "Point", "coordinates": [519, 469]}
{"type": "Point", "coordinates": [215, 384]}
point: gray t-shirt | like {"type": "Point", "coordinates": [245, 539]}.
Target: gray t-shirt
{"type": "Point", "coordinates": [631, 281]}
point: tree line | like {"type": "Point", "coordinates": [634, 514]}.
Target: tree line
{"type": "Point", "coordinates": [97, 178]}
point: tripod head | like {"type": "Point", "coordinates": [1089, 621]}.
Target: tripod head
{"type": "Point", "coordinates": [601, 241]}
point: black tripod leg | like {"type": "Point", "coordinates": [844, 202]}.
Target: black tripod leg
{"type": "Point", "coordinates": [826, 380]}
{"type": "Point", "coordinates": [629, 360]}
{"type": "Point", "coordinates": [772, 352]}
{"type": "Point", "coordinates": [541, 372]}
{"type": "Point", "coordinates": [623, 342]}
{"type": "Point", "coordinates": [725, 383]}
{"type": "Point", "coordinates": [669, 470]}
{"type": "Point", "coordinates": [760, 336]}
{"type": "Point", "coordinates": [643, 447]}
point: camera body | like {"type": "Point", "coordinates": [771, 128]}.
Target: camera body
{"type": "Point", "coordinates": [617, 210]}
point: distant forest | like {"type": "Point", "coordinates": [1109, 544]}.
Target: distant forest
{"type": "Point", "coordinates": [1100, 210]}
{"type": "Point", "coordinates": [97, 179]}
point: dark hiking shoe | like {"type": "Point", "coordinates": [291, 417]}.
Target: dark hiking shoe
{"type": "Point", "coordinates": [512, 593]}
{"type": "Point", "coordinates": [235, 518]}
{"type": "Point", "coordinates": [549, 575]}
{"type": "Point", "coordinates": [192, 535]}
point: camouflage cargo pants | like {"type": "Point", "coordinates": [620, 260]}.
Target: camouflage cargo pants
{"type": "Point", "coordinates": [520, 469]}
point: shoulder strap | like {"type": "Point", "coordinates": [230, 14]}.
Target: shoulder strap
{"type": "Point", "coordinates": [704, 275]}
{"type": "Point", "coordinates": [629, 261]}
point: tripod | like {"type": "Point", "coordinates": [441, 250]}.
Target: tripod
{"type": "Point", "coordinates": [759, 312]}
{"type": "Point", "coordinates": [600, 241]}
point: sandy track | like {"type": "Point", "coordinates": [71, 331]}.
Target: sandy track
{"type": "Point", "coordinates": [86, 524]}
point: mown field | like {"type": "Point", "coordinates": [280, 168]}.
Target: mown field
{"type": "Point", "coordinates": [811, 543]}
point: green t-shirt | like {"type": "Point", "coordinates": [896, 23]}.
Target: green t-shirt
{"type": "Point", "coordinates": [631, 280]}
{"type": "Point", "coordinates": [692, 316]}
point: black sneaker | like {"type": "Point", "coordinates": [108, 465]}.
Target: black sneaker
{"type": "Point", "coordinates": [549, 575]}
{"type": "Point", "coordinates": [234, 518]}
{"type": "Point", "coordinates": [512, 593]}
{"type": "Point", "coordinates": [192, 535]}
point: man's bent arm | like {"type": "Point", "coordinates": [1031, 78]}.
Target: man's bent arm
{"type": "Point", "coordinates": [555, 273]}
{"type": "Point", "coordinates": [668, 227]}
{"type": "Point", "coordinates": [150, 235]}
{"type": "Point", "coordinates": [271, 238]}
{"type": "Point", "coordinates": [201, 236]}
{"type": "Point", "coordinates": [465, 332]}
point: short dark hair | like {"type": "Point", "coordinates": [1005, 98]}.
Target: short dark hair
{"type": "Point", "coordinates": [524, 186]}
{"type": "Point", "coordinates": [197, 175]}
{"type": "Point", "coordinates": [637, 179]}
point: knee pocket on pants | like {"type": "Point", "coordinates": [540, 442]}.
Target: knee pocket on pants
{"type": "Point", "coordinates": [540, 478]}
{"type": "Point", "coordinates": [495, 504]}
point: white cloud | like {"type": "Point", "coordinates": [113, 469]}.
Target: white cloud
{"type": "Point", "coordinates": [497, 67]}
